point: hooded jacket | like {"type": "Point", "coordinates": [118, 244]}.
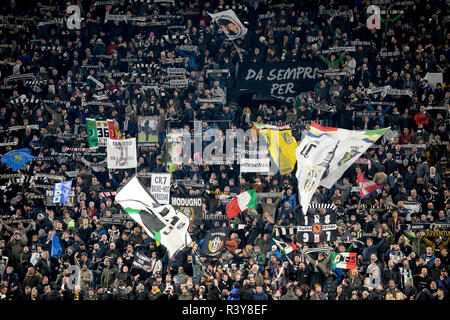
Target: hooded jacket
{"type": "Point", "coordinates": [289, 295]}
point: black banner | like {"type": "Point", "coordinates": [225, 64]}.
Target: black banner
{"type": "Point", "coordinates": [214, 242]}
{"type": "Point", "coordinates": [141, 261]}
{"type": "Point", "coordinates": [191, 207]}
{"type": "Point", "coordinates": [283, 80]}
{"type": "Point", "coordinates": [312, 229]}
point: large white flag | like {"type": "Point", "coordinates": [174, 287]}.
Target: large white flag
{"type": "Point", "coordinates": [162, 223]}
{"type": "Point", "coordinates": [313, 155]}
{"type": "Point", "coordinates": [230, 24]}
{"type": "Point", "coordinates": [352, 144]}
{"type": "Point", "coordinates": [121, 154]}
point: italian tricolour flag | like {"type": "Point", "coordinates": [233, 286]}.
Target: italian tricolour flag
{"type": "Point", "coordinates": [345, 260]}
{"type": "Point", "coordinates": [285, 247]}
{"type": "Point", "coordinates": [243, 201]}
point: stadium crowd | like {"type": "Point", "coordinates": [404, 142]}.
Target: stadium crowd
{"type": "Point", "coordinates": [394, 261]}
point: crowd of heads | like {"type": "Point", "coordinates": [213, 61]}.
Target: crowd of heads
{"type": "Point", "coordinates": [50, 75]}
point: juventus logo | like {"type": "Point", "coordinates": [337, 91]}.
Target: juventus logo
{"type": "Point", "coordinates": [312, 174]}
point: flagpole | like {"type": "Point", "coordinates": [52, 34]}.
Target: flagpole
{"type": "Point", "coordinates": [203, 265]}
{"type": "Point", "coordinates": [237, 49]}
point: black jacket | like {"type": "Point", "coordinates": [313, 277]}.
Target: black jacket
{"type": "Point", "coordinates": [245, 293]}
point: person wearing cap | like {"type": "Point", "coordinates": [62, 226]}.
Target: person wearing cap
{"type": "Point", "coordinates": [16, 245]}
{"type": "Point", "coordinates": [273, 252]}
{"type": "Point", "coordinates": [169, 294]}
{"type": "Point", "coordinates": [20, 229]}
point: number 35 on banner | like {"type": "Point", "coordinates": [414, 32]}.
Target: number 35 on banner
{"type": "Point", "coordinates": [373, 21]}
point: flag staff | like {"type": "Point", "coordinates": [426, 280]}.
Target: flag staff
{"type": "Point", "coordinates": [238, 51]}
{"type": "Point", "coordinates": [203, 265]}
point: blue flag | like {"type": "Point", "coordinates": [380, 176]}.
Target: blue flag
{"type": "Point", "coordinates": [16, 159]}
{"type": "Point", "coordinates": [61, 191]}
{"type": "Point", "coordinates": [56, 247]}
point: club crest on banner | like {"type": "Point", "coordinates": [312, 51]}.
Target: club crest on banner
{"type": "Point", "coordinates": [287, 138]}
{"type": "Point", "coordinates": [188, 212]}
{"type": "Point", "coordinates": [312, 174]}
{"type": "Point", "coordinates": [215, 245]}
{"type": "Point", "coordinates": [317, 228]}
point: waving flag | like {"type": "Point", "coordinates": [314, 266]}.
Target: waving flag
{"type": "Point", "coordinates": [162, 223]}
{"type": "Point", "coordinates": [56, 247]}
{"type": "Point", "coordinates": [16, 159]}
{"type": "Point", "coordinates": [99, 131]}
{"type": "Point", "coordinates": [92, 136]}
{"type": "Point", "coordinates": [366, 187]}
{"type": "Point", "coordinates": [352, 145]}
{"type": "Point", "coordinates": [285, 247]}
{"type": "Point", "coordinates": [61, 191]}
{"type": "Point", "coordinates": [313, 156]}
{"type": "Point", "coordinates": [243, 201]}
{"type": "Point", "coordinates": [281, 145]}
{"type": "Point", "coordinates": [230, 24]}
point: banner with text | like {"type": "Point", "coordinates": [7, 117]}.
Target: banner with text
{"type": "Point", "coordinates": [191, 207]}
{"type": "Point", "coordinates": [122, 154]}
{"type": "Point", "coordinates": [160, 187]}
{"type": "Point", "coordinates": [282, 80]}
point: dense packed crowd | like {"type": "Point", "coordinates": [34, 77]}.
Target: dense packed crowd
{"type": "Point", "coordinates": [394, 260]}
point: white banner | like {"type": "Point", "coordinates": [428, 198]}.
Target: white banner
{"type": "Point", "coordinates": [121, 154]}
{"type": "Point", "coordinates": [255, 165]}
{"type": "Point", "coordinates": [160, 188]}
{"type": "Point", "coordinates": [161, 222]}
{"type": "Point", "coordinates": [352, 145]}
{"type": "Point", "coordinates": [229, 23]}
{"type": "Point", "coordinates": [313, 155]}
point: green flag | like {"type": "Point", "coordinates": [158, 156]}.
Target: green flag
{"type": "Point", "coordinates": [91, 130]}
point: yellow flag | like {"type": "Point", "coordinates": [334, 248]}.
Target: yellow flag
{"type": "Point", "coordinates": [281, 145]}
